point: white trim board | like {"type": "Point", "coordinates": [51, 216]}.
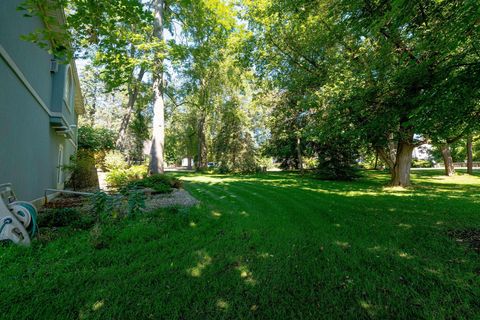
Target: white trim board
{"type": "Point", "coordinates": [39, 202]}
{"type": "Point", "coordinates": [73, 143]}
{"type": "Point", "coordinates": [12, 65]}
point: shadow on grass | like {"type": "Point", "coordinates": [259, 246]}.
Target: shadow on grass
{"type": "Point", "coordinates": [270, 246]}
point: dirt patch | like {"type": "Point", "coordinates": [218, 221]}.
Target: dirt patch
{"type": "Point", "coordinates": [66, 202]}
{"type": "Point", "coordinates": [467, 236]}
{"type": "Point", "coordinates": [178, 197]}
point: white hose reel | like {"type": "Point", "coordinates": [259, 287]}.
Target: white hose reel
{"type": "Point", "coordinates": [21, 213]}
{"type": "Point", "coordinates": [14, 231]}
{"type": "Point", "coordinates": [18, 219]}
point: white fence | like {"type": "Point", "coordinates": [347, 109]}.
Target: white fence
{"type": "Point", "coordinates": [464, 164]}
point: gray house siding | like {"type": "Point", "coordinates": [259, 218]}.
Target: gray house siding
{"type": "Point", "coordinates": [29, 96]}
{"type": "Point", "coordinates": [32, 60]}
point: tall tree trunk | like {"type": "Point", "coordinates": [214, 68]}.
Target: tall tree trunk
{"type": "Point", "coordinates": [447, 159]}
{"type": "Point", "coordinates": [190, 150]}
{"type": "Point", "coordinates": [93, 111]}
{"type": "Point", "coordinates": [469, 155]}
{"type": "Point", "coordinates": [189, 163]}
{"type": "Point", "coordinates": [158, 140]}
{"type": "Point", "coordinates": [132, 98]}
{"type": "Point", "coordinates": [202, 146]}
{"type": "Point", "coordinates": [234, 158]}
{"type": "Point", "coordinates": [403, 158]}
{"type": "Point", "coordinates": [299, 155]}
{"type": "Point", "coordinates": [387, 158]}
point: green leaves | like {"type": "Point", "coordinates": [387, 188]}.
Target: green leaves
{"type": "Point", "coordinates": [55, 37]}
{"type": "Point", "coordinates": [96, 139]}
{"type": "Point", "coordinates": [370, 68]}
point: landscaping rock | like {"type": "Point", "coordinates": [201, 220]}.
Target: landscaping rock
{"type": "Point", "coordinates": [178, 197]}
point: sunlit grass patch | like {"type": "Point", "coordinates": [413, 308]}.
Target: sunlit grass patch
{"type": "Point", "coordinates": [266, 246]}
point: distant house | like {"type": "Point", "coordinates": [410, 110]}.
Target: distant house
{"type": "Point", "coordinates": [185, 162]}
{"type": "Point", "coordinates": [423, 152]}
{"type": "Point", "coordinates": [40, 101]}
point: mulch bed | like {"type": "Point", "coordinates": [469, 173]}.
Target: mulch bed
{"type": "Point", "coordinates": [178, 197]}
{"type": "Point", "coordinates": [66, 202]}
{"type": "Point", "coordinates": [468, 236]}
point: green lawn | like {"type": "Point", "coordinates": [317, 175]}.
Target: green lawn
{"type": "Point", "coordinates": [270, 246]}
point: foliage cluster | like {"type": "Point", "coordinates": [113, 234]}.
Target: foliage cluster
{"type": "Point", "coordinates": [160, 183]}
{"type": "Point", "coordinates": [62, 217]}
{"type": "Point", "coordinates": [136, 202]}
{"type": "Point", "coordinates": [96, 139]}
{"type": "Point", "coordinates": [131, 203]}
{"type": "Point", "coordinates": [118, 178]}
{"type": "Point", "coordinates": [392, 75]}
{"type": "Point", "coordinates": [265, 163]}
{"type": "Point", "coordinates": [310, 163]}
{"type": "Point", "coordinates": [421, 163]}
{"type": "Point", "coordinates": [389, 75]}
{"type": "Point", "coordinates": [458, 150]}
{"type": "Point", "coordinates": [114, 160]}
{"type": "Point", "coordinates": [81, 170]}
{"type": "Point", "coordinates": [93, 143]}
{"type": "Point", "coordinates": [337, 160]}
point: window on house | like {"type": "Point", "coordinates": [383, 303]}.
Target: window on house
{"type": "Point", "coordinates": [59, 166]}
{"type": "Point", "coordinates": [68, 89]}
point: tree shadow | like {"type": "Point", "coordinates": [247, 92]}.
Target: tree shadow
{"type": "Point", "coordinates": [262, 247]}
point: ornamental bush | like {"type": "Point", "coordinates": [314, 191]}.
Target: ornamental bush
{"type": "Point", "coordinates": [337, 159]}
{"type": "Point", "coordinates": [119, 178]}
{"type": "Point", "coordinates": [160, 183]}
{"type": "Point", "coordinates": [81, 170]}
{"type": "Point", "coordinates": [114, 160]}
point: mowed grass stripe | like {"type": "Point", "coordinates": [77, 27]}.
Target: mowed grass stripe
{"type": "Point", "coordinates": [306, 249]}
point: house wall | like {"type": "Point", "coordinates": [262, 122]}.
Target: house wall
{"type": "Point", "coordinates": [29, 147]}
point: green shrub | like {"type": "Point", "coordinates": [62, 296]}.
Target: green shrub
{"type": "Point", "coordinates": [164, 179]}
{"type": "Point", "coordinates": [62, 217]}
{"type": "Point", "coordinates": [161, 188]}
{"type": "Point", "coordinates": [136, 202]}
{"type": "Point", "coordinates": [310, 163]}
{"type": "Point", "coordinates": [138, 171]}
{"type": "Point", "coordinates": [101, 202]}
{"type": "Point", "coordinates": [81, 170]}
{"type": "Point", "coordinates": [135, 177]}
{"type": "Point", "coordinates": [223, 168]}
{"type": "Point", "coordinates": [202, 169]}
{"type": "Point", "coordinates": [421, 164]}
{"type": "Point", "coordinates": [248, 165]}
{"type": "Point", "coordinates": [265, 162]}
{"type": "Point", "coordinates": [337, 159]}
{"type": "Point", "coordinates": [161, 183]}
{"type": "Point", "coordinates": [119, 178]}
{"type": "Point", "coordinates": [114, 160]}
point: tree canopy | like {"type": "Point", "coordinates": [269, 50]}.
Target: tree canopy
{"type": "Point", "coordinates": [333, 80]}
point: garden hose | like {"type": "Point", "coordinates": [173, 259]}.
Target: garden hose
{"type": "Point", "coordinates": [27, 214]}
